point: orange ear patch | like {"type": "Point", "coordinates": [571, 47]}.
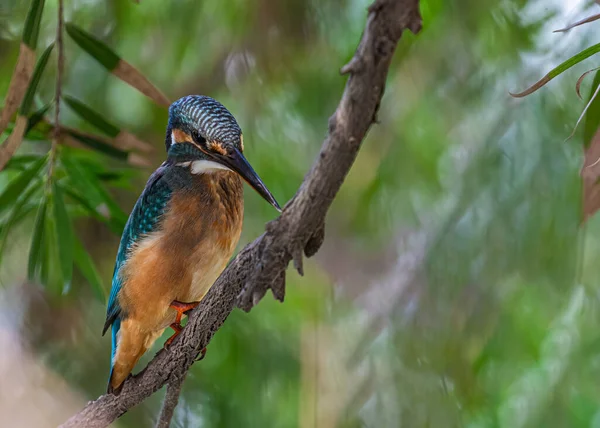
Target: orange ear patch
{"type": "Point", "coordinates": [182, 137]}
{"type": "Point", "coordinates": [215, 146]}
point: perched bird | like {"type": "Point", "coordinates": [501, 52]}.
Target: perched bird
{"type": "Point", "coordinates": [182, 230]}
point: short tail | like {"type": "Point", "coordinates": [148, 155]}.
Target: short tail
{"type": "Point", "coordinates": [128, 345]}
{"type": "Point", "coordinates": [116, 326]}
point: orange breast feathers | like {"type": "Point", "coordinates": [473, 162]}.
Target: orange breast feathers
{"type": "Point", "coordinates": [181, 261]}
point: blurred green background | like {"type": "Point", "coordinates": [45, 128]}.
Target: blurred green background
{"type": "Point", "coordinates": [455, 287]}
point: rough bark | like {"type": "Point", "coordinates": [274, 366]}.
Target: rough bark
{"type": "Point", "coordinates": [300, 228]}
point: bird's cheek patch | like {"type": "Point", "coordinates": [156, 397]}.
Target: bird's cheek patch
{"type": "Point", "coordinates": [178, 136]}
{"type": "Point", "coordinates": [217, 147]}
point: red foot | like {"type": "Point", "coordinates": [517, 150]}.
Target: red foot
{"type": "Point", "coordinates": [181, 309]}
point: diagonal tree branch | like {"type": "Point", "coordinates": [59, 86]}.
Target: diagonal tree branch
{"type": "Point", "coordinates": [300, 228]}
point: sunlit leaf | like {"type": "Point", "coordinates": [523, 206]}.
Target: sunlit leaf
{"type": "Point", "coordinates": [36, 241]}
{"type": "Point", "coordinates": [15, 188]}
{"type": "Point", "coordinates": [86, 266]}
{"type": "Point", "coordinates": [64, 232]}
{"type": "Point", "coordinates": [91, 116]}
{"type": "Point", "coordinates": [32, 23]}
{"type": "Point", "coordinates": [35, 80]}
{"type": "Point", "coordinates": [576, 59]}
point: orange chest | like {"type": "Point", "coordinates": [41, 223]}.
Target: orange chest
{"type": "Point", "coordinates": [207, 214]}
{"type": "Point", "coordinates": [196, 238]}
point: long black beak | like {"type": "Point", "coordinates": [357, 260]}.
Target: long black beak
{"type": "Point", "coordinates": [237, 162]}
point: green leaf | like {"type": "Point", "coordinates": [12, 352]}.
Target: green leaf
{"type": "Point", "coordinates": [99, 145]}
{"type": "Point", "coordinates": [86, 266]}
{"type": "Point", "coordinates": [21, 162]}
{"type": "Point", "coordinates": [592, 118]}
{"type": "Point", "coordinates": [98, 50]}
{"type": "Point", "coordinates": [36, 117]}
{"type": "Point", "coordinates": [36, 240]}
{"type": "Point", "coordinates": [17, 214]}
{"type": "Point", "coordinates": [575, 59]}
{"type": "Point", "coordinates": [114, 225]}
{"type": "Point", "coordinates": [14, 189]}
{"type": "Point", "coordinates": [35, 80]}
{"type": "Point", "coordinates": [92, 117]}
{"type": "Point", "coordinates": [64, 233]}
{"type": "Point", "coordinates": [89, 187]}
{"type": "Point", "coordinates": [32, 23]}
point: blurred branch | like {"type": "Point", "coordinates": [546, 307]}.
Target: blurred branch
{"type": "Point", "coordinates": [171, 400]}
{"type": "Point", "coordinates": [299, 229]}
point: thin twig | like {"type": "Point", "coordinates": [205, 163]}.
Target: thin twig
{"type": "Point", "coordinates": [58, 89]}
{"type": "Point", "coordinates": [170, 402]}
{"type": "Point", "coordinates": [263, 261]}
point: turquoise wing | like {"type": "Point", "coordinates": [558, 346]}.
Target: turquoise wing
{"type": "Point", "coordinates": [143, 219]}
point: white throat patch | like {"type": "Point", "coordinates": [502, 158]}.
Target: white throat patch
{"type": "Point", "coordinates": [203, 166]}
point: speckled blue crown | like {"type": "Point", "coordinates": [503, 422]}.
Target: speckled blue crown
{"type": "Point", "coordinates": [199, 114]}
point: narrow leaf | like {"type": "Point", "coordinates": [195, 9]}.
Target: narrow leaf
{"type": "Point", "coordinates": [592, 118]}
{"type": "Point", "coordinates": [49, 259]}
{"type": "Point", "coordinates": [36, 117]}
{"type": "Point", "coordinates": [98, 50]}
{"type": "Point", "coordinates": [93, 190]}
{"type": "Point", "coordinates": [130, 75]}
{"type": "Point", "coordinates": [115, 226]}
{"type": "Point", "coordinates": [17, 214]}
{"type": "Point", "coordinates": [99, 145]}
{"type": "Point", "coordinates": [14, 189]}
{"type": "Point", "coordinates": [578, 23]}
{"type": "Point", "coordinates": [113, 63]}
{"type": "Point", "coordinates": [91, 116]}
{"type": "Point", "coordinates": [86, 266]}
{"type": "Point", "coordinates": [21, 162]}
{"type": "Point", "coordinates": [576, 59]}
{"type": "Point", "coordinates": [32, 23]}
{"type": "Point", "coordinates": [36, 241]}
{"type": "Point", "coordinates": [35, 80]}
{"type": "Point", "coordinates": [18, 84]}
{"type": "Point", "coordinates": [64, 233]}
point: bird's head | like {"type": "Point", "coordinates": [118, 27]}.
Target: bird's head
{"type": "Point", "coordinates": [203, 133]}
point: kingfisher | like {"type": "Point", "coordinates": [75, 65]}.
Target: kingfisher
{"type": "Point", "coordinates": [181, 232]}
